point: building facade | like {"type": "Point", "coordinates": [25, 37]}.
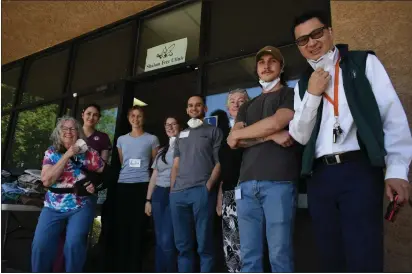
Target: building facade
{"type": "Point", "coordinates": [213, 43]}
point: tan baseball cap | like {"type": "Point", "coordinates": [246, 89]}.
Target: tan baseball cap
{"type": "Point", "coordinates": [275, 52]}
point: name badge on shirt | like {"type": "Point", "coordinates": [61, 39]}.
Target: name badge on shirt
{"type": "Point", "coordinates": [184, 134]}
{"type": "Point", "coordinates": [134, 163]}
{"type": "Point", "coordinates": [238, 193]}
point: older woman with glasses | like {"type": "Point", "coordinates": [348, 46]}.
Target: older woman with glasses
{"type": "Point", "coordinates": [230, 161]}
{"type": "Point", "coordinates": [68, 203]}
{"type": "Point", "coordinates": [157, 200]}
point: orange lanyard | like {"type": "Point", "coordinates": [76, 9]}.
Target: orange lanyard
{"type": "Point", "coordinates": [335, 102]}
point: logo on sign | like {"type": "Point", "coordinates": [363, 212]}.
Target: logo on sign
{"type": "Point", "coordinates": [166, 52]}
{"type": "Point", "coordinates": [165, 55]}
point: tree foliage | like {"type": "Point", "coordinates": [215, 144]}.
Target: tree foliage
{"type": "Point", "coordinates": [32, 136]}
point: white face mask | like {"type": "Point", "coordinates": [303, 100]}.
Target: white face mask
{"type": "Point", "coordinates": [82, 145]}
{"type": "Point", "coordinates": [325, 62]}
{"type": "Point", "coordinates": [194, 123]}
{"type": "Point", "coordinates": [172, 141]}
{"type": "Point", "coordinates": [269, 85]}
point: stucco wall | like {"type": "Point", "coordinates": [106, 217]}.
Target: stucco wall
{"type": "Point", "coordinates": [31, 26]}
{"type": "Point", "coordinates": [386, 28]}
{"type": "Point", "coordinates": [383, 26]}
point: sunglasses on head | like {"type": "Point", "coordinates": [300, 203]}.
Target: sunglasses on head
{"type": "Point", "coordinates": [315, 34]}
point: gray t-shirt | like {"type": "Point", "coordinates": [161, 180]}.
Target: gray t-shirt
{"type": "Point", "coordinates": [164, 169]}
{"type": "Point", "coordinates": [269, 161]}
{"type": "Point", "coordinates": [137, 155]}
{"type": "Point", "coordinates": [198, 152]}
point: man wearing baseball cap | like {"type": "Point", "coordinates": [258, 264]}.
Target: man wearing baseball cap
{"type": "Point", "coordinates": [266, 193]}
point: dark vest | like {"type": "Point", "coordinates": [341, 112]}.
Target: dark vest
{"type": "Point", "coordinates": [362, 105]}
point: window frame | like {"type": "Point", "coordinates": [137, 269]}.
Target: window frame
{"type": "Point", "coordinates": [124, 86]}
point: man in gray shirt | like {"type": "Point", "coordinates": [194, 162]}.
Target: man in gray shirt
{"type": "Point", "coordinates": [195, 170]}
{"type": "Point", "coordinates": [266, 195]}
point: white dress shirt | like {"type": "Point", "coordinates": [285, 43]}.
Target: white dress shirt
{"type": "Point", "coordinates": [231, 121]}
{"type": "Point", "coordinates": [397, 135]}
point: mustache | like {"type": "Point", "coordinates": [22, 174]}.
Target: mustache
{"type": "Point", "coordinates": [268, 71]}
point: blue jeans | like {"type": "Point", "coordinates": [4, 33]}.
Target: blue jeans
{"type": "Point", "coordinates": [46, 238]}
{"type": "Point", "coordinates": [194, 206]}
{"type": "Point", "coordinates": [166, 259]}
{"type": "Point", "coordinates": [266, 207]}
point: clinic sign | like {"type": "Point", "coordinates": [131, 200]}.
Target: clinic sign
{"type": "Point", "coordinates": [165, 55]}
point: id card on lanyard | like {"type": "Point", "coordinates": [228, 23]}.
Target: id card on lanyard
{"type": "Point", "coordinates": [337, 130]}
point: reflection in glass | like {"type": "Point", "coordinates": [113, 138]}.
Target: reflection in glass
{"type": "Point", "coordinates": [104, 59]}
{"type": "Point", "coordinates": [245, 26]}
{"type": "Point", "coordinates": [4, 126]}
{"type": "Point", "coordinates": [46, 78]}
{"type": "Point", "coordinates": [32, 136]}
{"type": "Point", "coordinates": [165, 96]}
{"type": "Point", "coordinates": [225, 76]}
{"type": "Point", "coordinates": [177, 24]}
{"type": "Point", "coordinates": [9, 83]}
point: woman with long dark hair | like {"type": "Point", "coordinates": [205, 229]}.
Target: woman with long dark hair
{"type": "Point", "coordinates": [96, 139]}
{"type": "Point", "coordinates": [137, 149]}
{"type": "Point", "coordinates": [157, 200]}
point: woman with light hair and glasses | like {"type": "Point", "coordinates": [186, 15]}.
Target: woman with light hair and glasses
{"type": "Point", "coordinates": [230, 161]}
{"type": "Point", "coordinates": [69, 202]}
{"type": "Point", "coordinates": [235, 99]}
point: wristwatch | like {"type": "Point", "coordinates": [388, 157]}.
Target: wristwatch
{"type": "Point", "coordinates": [149, 200]}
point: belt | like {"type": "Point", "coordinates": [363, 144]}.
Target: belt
{"type": "Point", "coordinates": [340, 158]}
{"type": "Point", "coordinates": [62, 190]}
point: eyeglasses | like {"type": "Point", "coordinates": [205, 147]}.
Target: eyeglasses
{"type": "Point", "coordinates": [170, 125]}
{"type": "Point", "coordinates": [315, 34]}
{"type": "Point", "coordinates": [67, 129]}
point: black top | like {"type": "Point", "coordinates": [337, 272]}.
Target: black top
{"type": "Point", "coordinates": [230, 161]}
{"type": "Point", "coordinates": [269, 161]}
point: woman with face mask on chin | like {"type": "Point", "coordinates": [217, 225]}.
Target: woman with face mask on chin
{"type": "Point", "coordinates": [137, 149]}
{"type": "Point", "coordinates": [157, 200]}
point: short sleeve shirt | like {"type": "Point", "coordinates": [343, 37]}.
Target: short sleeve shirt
{"type": "Point", "coordinates": [269, 161]}
{"type": "Point", "coordinates": [71, 174]}
{"type": "Point", "coordinates": [164, 169]}
{"type": "Point", "coordinates": [137, 157]}
{"type": "Point", "coordinates": [198, 152]}
{"type": "Point", "coordinates": [99, 141]}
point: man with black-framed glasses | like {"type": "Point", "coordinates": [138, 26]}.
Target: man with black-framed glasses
{"type": "Point", "coordinates": [349, 116]}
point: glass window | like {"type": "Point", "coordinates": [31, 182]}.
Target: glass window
{"type": "Point", "coordinates": [108, 103]}
{"type": "Point", "coordinates": [104, 59]}
{"type": "Point", "coordinates": [46, 78]}
{"type": "Point", "coordinates": [243, 75]}
{"type": "Point", "coordinates": [32, 136]}
{"type": "Point", "coordinates": [9, 84]}
{"type": "Point", "coordinates": [166, 96]}
{"type": "Point", "coordinates": [245, 26]}
{"type": "Point", "coordinates": [174, 25]}
{"type": "Point", "coordinates": [5, 119]}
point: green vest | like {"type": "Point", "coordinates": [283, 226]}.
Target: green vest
{"type": "Point", "coordinates": [362, 105]}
